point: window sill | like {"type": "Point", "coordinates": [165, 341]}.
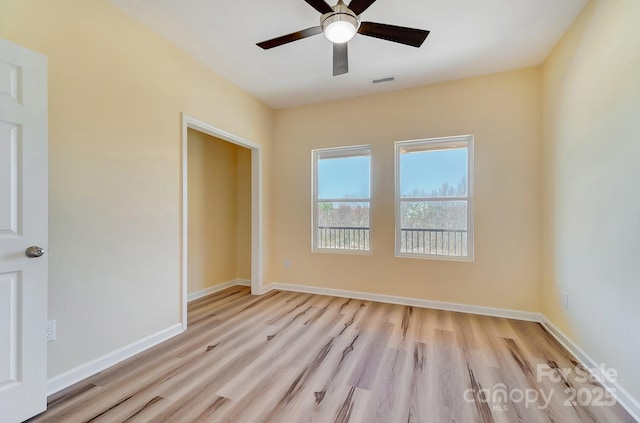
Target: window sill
{"type": "Point", "coordinates": [341, 251]}
{"type": "Point", "coordinates": [435, 257]}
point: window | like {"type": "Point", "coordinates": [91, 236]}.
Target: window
{"type": "Point", "coordinates": [341, 199]}
{"type": "Point", "coordinates": [434, 198]}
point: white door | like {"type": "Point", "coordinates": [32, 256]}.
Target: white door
{"type": "Point", "coordinates": [23, 223]}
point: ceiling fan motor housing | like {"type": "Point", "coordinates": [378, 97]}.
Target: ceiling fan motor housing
{"type": "Point", "coordinates": [341, 15]}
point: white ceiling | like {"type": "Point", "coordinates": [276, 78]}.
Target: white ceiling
{"type": "Point", "coordinates": [468, 38]}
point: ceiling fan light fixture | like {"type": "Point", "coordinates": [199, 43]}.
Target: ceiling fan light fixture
{"type": "Point", "coordinates": [340, 31]}
{"type": "Point", "coordinates": [341, 25]}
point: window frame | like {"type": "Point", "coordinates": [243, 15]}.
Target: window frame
{"type": "Point", "coordinates": [442, 143]}
{"type": "Point", "coordinates": [337, 152]}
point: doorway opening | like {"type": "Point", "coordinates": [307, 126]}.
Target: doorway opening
{"type": "Point", "coordinates": [221, 212]}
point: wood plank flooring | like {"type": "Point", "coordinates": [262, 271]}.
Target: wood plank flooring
{"type": "Point", "coordinates": [291, 357]}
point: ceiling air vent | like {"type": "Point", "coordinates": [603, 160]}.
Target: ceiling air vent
{"type": "Point", "coordinates": [381, 80]}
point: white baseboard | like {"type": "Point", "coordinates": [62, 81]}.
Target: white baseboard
{"type": "Point", "coordinates": [213, 289]}
{"type": "Point", "coordinates": [66, 379]}
{"type": "Point", "coordinates": [622, 396]}
{"type": "Point", "coordinates": [415, 302]}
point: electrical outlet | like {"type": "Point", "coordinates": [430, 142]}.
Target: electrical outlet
{"type": "Point", "coordinates": [565, 301]}
{"type": "Point", "coordinates": [51, 330]}
{"type": "Point", "coordinates": [287, 264]}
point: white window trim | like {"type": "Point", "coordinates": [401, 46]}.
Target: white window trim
{"type": "Point", "coordinates": [336, 152]}
{"type": "Point", "coordinates": [442, 141]}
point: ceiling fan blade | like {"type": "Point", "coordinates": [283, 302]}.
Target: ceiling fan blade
{"type": "Point", "coordinates": [359, 6]}
{"type": "Point", "coordinates": [294, 36]}
{"type": "Point", "coordinates": [340, 59]}
{"type": "Point", "coordinates": [320, 5]}
{"type": "Point", "coordinates": [397, 34]}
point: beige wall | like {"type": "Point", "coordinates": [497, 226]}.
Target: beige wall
{"type": "Point", "coordinates": [219, 211]}
{"type": "Point", "coordinates": [116, 94]}
{"type": "Point", "coordinates": [591, 86]}
{"type": "Point", "coordinates": [502, 111]}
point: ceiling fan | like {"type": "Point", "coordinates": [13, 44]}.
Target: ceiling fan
{"type": "Point", "coordinates": [340, 24]}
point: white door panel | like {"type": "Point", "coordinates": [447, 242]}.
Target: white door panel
{"type": "Point", "coordinates": [9, 328]}
{"type": "Point", "coordinates": [9, 80]}
{"type": "Point", "coordinates": [8, 178]}
{"type": "Point", "coordinates": [23, 223]}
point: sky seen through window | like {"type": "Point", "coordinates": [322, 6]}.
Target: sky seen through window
{"type": "Point", "coordinates": [421, 172]}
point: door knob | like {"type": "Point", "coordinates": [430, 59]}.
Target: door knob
{"type": "Point", "coordinates": [34, 252]}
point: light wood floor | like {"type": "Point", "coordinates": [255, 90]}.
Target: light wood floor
{"type": "Point", "coordinates": [288, 357]}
